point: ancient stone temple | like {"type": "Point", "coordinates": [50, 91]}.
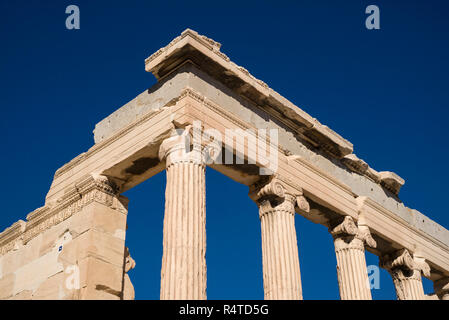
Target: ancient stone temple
{"type": "Point", "coordinates": [207, 111]}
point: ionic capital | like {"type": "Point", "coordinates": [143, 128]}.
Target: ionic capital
{"type": "Point", "coordinates": [441, 288]}
{"type": "Point", "coordinates": [184, 147]}
{"type": "Point", "coordinates": [286, 205]}
{"type": "Point", "coordinates": [279, 190]}
{"type": "Point", "coordinates": [403, 264]}
{"type": "Point", "coordinates": [272, 189]}
{"type": "Point", "coordinates": [348, 230]}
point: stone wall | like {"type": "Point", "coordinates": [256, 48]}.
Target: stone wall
{"type": "Point", "coordinates": [75, 250]}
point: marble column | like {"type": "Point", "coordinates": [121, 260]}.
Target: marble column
{"type": "Point", "coordinates": [442, 288]}
{"type": "Point", "coordinates": [183, 274]}
{"type": "Point", "coordinates": [349, 242]}
{"type": "Point", "coordinates": [406, 272]}
{"type": "Point", "coordinates": [281, 271]}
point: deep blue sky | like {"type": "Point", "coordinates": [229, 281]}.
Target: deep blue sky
{"type": "Point", "coordinates": [387, 91]}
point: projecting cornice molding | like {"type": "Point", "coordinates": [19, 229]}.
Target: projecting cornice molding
{"type": "Point", "coordinates": [205, 54]}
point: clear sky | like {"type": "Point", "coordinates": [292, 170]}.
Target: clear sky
{"type": "Point", "coordinates": [386, 91]}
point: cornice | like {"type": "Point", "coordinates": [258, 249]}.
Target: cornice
{"type": "Point", "coordinates": [181, 49]}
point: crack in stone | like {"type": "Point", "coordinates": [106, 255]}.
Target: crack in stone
{"type": "Point", "coordinates": [109, 290]}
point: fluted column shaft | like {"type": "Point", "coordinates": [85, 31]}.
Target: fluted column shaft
{"type": "Point", "coordinates": [349, 242]}
{"type": "Point", "coordinates": [408, 284]}
{"type": "Point", "coordinates": [183, 274]}
{"type": "Point", "coordinates": [406, 272]}
{"type": "Point", "coordinates": [277, 200]}
{"type": "Point", "coordinates": [351, 270]}
{"type": "Point", "coordinates": [281, 271]}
